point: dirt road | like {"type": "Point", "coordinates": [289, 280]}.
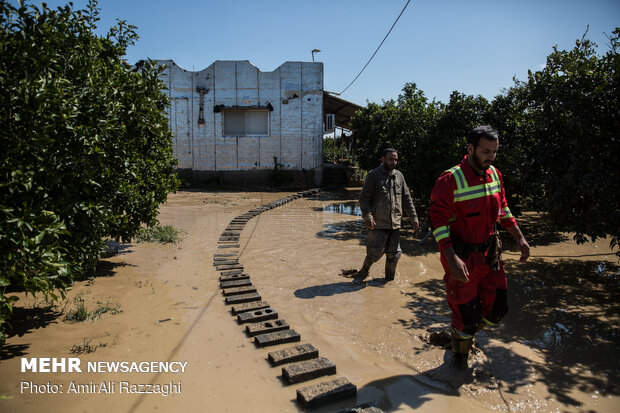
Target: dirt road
{"type": "Point", "coordinates": [557, 350]}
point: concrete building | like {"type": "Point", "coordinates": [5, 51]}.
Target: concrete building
{"type": "Point", "coordinates": [234, 123]}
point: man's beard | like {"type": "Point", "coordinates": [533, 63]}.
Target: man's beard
{"type": "Point", "coordinates": [478, 163]}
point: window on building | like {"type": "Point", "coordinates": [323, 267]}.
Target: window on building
{"type": "Point", "coordinates": [246, 122]}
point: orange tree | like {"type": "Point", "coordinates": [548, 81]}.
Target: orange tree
{"type": "Point", "coordinates": [558, 132]}
{"type": "Point", "coordinates": [86, 146]}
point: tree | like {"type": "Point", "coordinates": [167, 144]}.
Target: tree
{"type": "Point", "coordinates": [88, 150]}
{"type": "Point", "coordinates": [568, 132]}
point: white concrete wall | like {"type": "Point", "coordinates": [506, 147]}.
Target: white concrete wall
{"type": "Point", "coordinates": [295, 90]}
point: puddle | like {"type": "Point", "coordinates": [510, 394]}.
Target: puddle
{"type": "Point", "coordinates": [345, 208]}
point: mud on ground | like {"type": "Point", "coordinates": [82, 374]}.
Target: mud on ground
{"type": "Point", "coordinates": [557, 349]}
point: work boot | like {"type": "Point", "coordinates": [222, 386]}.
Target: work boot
{"type": "Point", "coordinates": [390, 268]}
{"type": "Point", "coordinates": [363, 272]}
{"type": "Point", "coordinates": [460, 351]}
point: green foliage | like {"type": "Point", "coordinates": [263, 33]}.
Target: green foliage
{"type": "Point", "coordinates": [342, 151]}
{"type": "Point", "coordinates": [573, 108]}
{"type": "Point", "coordinates": [558, 138]}
{"type": "Point", "coordinates": [158, 233]}
{"type": "Point", "coordinates": [429, 136]}
{"type": "Point", "coordinates": [86, 146]}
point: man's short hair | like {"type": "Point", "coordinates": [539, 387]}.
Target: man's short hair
{"type": "Point", "coordinates": [388, 150]}
{"type": "Point", "coordinates": [485, 131]}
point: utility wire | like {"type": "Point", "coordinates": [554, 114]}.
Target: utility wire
{"type": "Point", "coordinates": [373, 55]}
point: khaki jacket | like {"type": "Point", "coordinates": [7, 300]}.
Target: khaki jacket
{"type": "Point", "coordinates": [383, 198]}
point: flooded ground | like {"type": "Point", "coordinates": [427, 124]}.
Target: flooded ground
{"type": "Point", "coordinates": [557, 350]}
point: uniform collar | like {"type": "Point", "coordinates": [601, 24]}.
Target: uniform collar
{"type": "Point", "coordinates": [471, 171]}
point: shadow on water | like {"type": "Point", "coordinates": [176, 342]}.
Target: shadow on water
{"type": "Point", "coordinates": [23, 321]}
{"type": "Point", "coordinates": [345, 231]}
{"type": "Point", "coordinates": [344, 287]}
{"type": "Point", "coordinates": [566, 310]}
{"type": "Point", "coordinates": [26, 319]}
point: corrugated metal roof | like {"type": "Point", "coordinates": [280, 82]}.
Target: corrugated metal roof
{"type": "Point", "coordinates": [344, 110]}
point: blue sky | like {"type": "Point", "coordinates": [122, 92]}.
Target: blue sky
{"type": "Point", "coordinates": [475, 47]}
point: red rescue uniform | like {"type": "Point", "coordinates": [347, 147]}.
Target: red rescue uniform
{"type": "Point", "coordinates": [465, 206]}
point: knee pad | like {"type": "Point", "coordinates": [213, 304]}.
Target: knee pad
{"type": "Point", "coordinates": [500, 306]}
{"type": "Point", "coordinates": [471, 313]}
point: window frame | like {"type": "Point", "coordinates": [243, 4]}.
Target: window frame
{"type": "Point", "coordinates": [245, 122]}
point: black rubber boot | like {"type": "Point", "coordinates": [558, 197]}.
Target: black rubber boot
{"type": "Point", "coordinates": [390, 268]}
{"type": "Point", "coordinates": [460, 351]}
{"type": "Point", "coordinates": [363, 272]}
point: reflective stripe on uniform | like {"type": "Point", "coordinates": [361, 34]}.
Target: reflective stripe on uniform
{"type": "Point", "coordinates": [441, 233]}
{"type": "Point", "coordinates": [464, 192]}
{"type": "Point", "coordinates": [507, 213]}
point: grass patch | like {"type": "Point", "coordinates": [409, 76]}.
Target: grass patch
{"type": "Point", "coordinates": [81, 313]}
{"type": "Point", "coordinates": [86, 347]}
{"type": "Point", "coordinates": [158, 233]}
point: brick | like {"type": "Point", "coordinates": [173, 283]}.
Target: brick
{"type": "Point", "coordinates": [279, 337]}
{"type": "Point", "coordinates": [238, 291]}
{"type": "Point", "coordinates": [262, 327]}
{"type": "Point", "coordinates": [229, 262]}
{"type": "Point", "coordinates": [231, 257]}
{"type": "Point", "coordinates": [229, 267]}
{"type": "Point", "coordinates": [234, 234]}
{"type": "Point", "coordinates": [326, 392]}
{"type": "Point", "coordinates": [257, 315]}
{"type": "Point", "coordinates": [293, 354]}
{"type": "Point", "coordinates": [236, 283]}
{"type": "Point", "coordinates": [235, 276]}
{"type": "Point", "coordinates": [243, 298]}
{"type": "Point", "coordinates": [254, 305]}
{"type": "Point", "coordinates": [308, 370]}
{"type": "Point", "coordinates": [231, 272]}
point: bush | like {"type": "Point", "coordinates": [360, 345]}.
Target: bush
{"type": "Point", "coordinates": [87, 149]}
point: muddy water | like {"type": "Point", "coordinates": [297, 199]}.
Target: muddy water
{"type": "Point", "coordinates": [556, 351]}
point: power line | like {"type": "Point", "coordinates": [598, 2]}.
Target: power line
{"type": "Point", "coordinates": [373, 55]}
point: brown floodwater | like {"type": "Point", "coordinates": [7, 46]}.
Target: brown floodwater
{"type": "Point", "coordinates": [557, 350]}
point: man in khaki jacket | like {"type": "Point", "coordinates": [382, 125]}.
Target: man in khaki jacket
{"type": "Point", "coordinates": [383, 197]}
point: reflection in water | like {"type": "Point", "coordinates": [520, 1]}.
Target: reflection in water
{"type": "Point", "coordinates": [343, 231]}
{"type": "Point", "coordinates": [346, 208]}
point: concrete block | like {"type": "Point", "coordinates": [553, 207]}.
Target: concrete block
{"type": "Point", "coordinates": [231, 272]}
{"type": "Point", "coordinates": [257, 315]}
{"type": "Point", "coordinates": [234, 276]}
{"type": "Point", "coordinates": [231, 257]}
{"type": "Point", "coordinates": [229, 267]}
{"type": "Point", "coordinates": [243, 298]}
{"type": "Point", "coordinates": [279, 337]}
{"type": "Point", "coordinates": [293, 354]}
{"type": "Point", "coordinates": [231, 240]}
{"type": "Point", "coordinates": [229, 262]}
{"type": "Point", "coordinates": [263, 327]}
{"type": "Point", "coordinates": [236, 283]}
{"type": "Point", "coordinates": [308, 370]}
{"type": "Point", "coordinates": [326, 392]}
{"type": "Point", "coordinates": [238, 291]}
{"type": "Point", "coordinates": [254, 305]}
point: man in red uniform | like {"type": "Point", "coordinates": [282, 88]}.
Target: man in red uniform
{"type": "Point", "coordinates": [466, 203]}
